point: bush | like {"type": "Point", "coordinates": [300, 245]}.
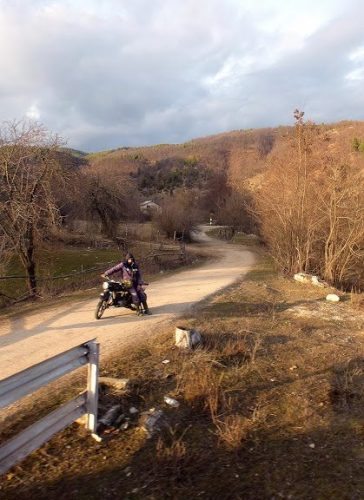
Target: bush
{"type": "Point", "coordinates": [310, 208]}
{"type": "Point", "coordinates": [178, 216]}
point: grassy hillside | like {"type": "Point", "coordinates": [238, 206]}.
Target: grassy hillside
{"type": "Point", "coordinates": [241, 153]}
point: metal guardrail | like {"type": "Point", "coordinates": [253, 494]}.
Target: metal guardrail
{"type": "Point", "coordinates": [37, 376]}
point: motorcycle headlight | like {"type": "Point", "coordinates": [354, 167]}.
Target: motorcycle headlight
{"type": "Point", "coordinates": [105, 285]}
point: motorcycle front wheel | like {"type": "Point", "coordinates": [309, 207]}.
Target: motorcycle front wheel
{"type": "Point", "coordinates": [101, 306]}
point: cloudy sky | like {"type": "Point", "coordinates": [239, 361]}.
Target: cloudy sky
{"type": "Point", "coordinates": [111, 73]}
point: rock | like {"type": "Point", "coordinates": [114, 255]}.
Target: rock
{"type": "Point", "coordinates": [120, 384]}
{"type": "Point", "coordinates": [308, 278]}
{"type": "Point", "coordinates": [187, 339]}
{"type": "Point", "coordinates": [302, 277]}
{"type": "Point", "coordinates": [315, 280]}
{"type": "Point", "coordinates": [332, 297]}
{"type": "Point", "coordinates": [153, 421]}
{"type": "Point", "coordinates": [110, 416]}
{"type": "Point", "coordinates": [133, 410]}
{"type": "Point", "coordinates": [119, 420]}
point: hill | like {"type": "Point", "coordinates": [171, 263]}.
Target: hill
{"type": "Point", "coordinates": [241, 154]}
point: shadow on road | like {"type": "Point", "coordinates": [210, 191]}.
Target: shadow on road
{"type": "Point", "coordinates": [112, 318]}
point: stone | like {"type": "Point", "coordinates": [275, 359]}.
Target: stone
{"type": "Point", "coordinates": [153, 421]}
{"type": "Point", "coordinates": [302, 277]}
{"type": "Point", "coordinates": [110, 416]}
{"type": "Point", "coordinates": [315, 280]}
{"type": "Point", "coordinates": [120, 384]}
{"type": "Point", "coordinates": [332, 297]}
{"type": "Point", "coordinates": [186, 338]}
{"type": "Point", "coordinates": [308, 278]}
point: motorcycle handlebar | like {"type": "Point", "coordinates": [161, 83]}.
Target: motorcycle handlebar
{"type": "Point", "coordinates": [106, 278]}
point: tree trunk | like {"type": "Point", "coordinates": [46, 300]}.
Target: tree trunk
{"type": "Point", "coordinates": [28, 261]}
{"type": "Point", "coordinates": [31, 279]}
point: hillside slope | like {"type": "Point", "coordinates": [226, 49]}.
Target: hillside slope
{"type": "Point", "coordinates": [241, 153]}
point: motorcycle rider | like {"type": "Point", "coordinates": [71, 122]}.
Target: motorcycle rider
{"type": "Point", "coordinates": [128, 270]}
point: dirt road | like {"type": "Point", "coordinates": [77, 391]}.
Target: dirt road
{"type": "Point", "coordinates": [31, 338]}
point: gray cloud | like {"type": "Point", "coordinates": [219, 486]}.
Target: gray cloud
{"type": "Point", "coordinates": [112, 73]}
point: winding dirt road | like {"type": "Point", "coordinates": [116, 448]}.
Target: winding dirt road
{"type": "Point", "coordinates": [29, 339]}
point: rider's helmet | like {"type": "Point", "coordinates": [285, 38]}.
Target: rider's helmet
{"type": "Point", "coordinates": [129, 256]}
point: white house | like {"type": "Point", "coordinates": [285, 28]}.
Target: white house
{"type": "Point", "coordinates": [148, 207]}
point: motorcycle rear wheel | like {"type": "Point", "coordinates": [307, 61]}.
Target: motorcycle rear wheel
{"type": "Point", "coordinates": [101, 306]}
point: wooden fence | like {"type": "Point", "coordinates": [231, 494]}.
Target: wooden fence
{"type": "Point", "coordinates": [159, 256]}
{"type": "Point", "coordinates": [28, 381]}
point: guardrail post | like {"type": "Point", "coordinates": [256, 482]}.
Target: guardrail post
{"type": "Point", "coordinates": [31, 379]}
{"type": "Point", "coordinates": [92, 385]}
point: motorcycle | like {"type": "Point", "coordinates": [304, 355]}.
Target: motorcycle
{"type": "Point", "coordinates": [117, 294]}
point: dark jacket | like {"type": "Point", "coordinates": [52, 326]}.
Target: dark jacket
{"type": "Point", "coordinates": [126, 271]}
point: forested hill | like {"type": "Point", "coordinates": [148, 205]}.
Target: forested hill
{"type": "Point", "coordinates": [242, 154]}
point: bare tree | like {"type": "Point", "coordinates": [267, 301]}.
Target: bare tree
{"type": "Point", "coordinates": [179, 214]}
{"type": "Point", "coordinates": [285, 204]}
{"type": "Point", "coordinates": [265, 143]}
{"type": "Point", "coordinates": [28, 162]}
{"type": "Point", "coordinates": [236, 212]}
{"type": "Point", "coordinates": [311, 206]}
{"type": "Point", "coordinates": [5, 254]}
{"type": "Point", "coordinates": [342, 222]}
{"type": "Point", "coordinates": [108, 195]}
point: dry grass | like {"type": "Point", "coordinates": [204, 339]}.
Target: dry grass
{"type": "Point", "coordinates": [357, 301]}
{"type": "Point", "coordinates": [171, 447]}
{"type": "Point", "coordinates": [232, 430]}
{"type": "Point", "coordinates": [200, 384]}
{"type": "Point", "coordinates": [271, 407]}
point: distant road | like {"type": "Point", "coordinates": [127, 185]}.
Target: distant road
{"type": "Point", "coordinates": [29, 339]}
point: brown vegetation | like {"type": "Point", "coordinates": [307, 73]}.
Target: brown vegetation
{"type": "Point", "coordinates": [270, 407]}
{"type": "Point", "coordinates": [307, 182]}
{"type": "Point", "coordinates": [179, 215]}
{"type": "Point", "coordinates": [310, 206]}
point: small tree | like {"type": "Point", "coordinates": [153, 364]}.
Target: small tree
{"type": "Point", "coordinates": [236, 212]}
{"type": "Point", "coordinates": [356, 144]}
{"type": "Point", "coordinates": [28, 162]}
{"type": "Point", "coordinates": [265, 144]}
{"type": "Point", "coordinates": [178, 215]}
{"type": "Point", "coordinates": [285, 206]}
{"type": "Point", "coordinates": [108, 195]}
{"type": "Point", "coordinates": [341, 208]}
